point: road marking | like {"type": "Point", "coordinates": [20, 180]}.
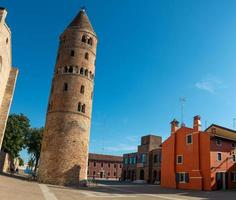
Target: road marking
{"type": "Point", "coordinates": [48, 195]}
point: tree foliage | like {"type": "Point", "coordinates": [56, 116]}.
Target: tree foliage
{"type": "Point", "coordinates": [33, 144]}
{"type": "Point", "coordinates": [16, 130]}
{"type": "Point", "coordinates": [21, 161]}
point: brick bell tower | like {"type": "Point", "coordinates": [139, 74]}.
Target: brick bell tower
{"type": "Point", "coordinates": [64, 153]}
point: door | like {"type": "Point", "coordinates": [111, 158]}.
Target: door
{"type": "Point", "coordinates": [101, 174]}
{"type": "Point", "coordinates": [219, 180]}
{"type": "Point", "coordinates": [154, 176]}
{"type": "Point", "coordinates": [141, 174]}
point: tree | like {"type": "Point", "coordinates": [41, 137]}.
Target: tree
{"type": "Point", "coordinates": [16, 130]}
{"type": "Point", "coordinates": [21, 161]}
{"type": "Point", "coordinates": [33, 145]}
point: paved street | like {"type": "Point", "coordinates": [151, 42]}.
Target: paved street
{"type": "Point", "coordinates": [16, 189]}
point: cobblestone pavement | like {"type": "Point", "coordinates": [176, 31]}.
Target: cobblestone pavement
{"type": "Point", "coordinates": [16, 189]}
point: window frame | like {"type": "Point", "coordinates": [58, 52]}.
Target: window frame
{"type": "Point", "coordinates": [219, 153]}
{"type": "Point", "coordinates": [218, 139]}
{"type": "Point", "coordinates": [82, 89]}
{"type": "Point", "coordinates": [72, 53]}
{"type": "Point", "coordinates": [187, 136]}
{"type": "Point", "coordinates": [234, 158]}
{"type": "Point", "coordinates": [65, 87]}
{"type": "Point", "coordinates": [182, 159]}
{"type": "Point", "coordinates": [185, 176]}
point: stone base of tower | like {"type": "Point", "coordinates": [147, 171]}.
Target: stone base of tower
{"type": "Point", "coordinates": [64, 158]}
{"type": "Point", "coordinates": [62, 180]}
{"type": "Point", "coordinates": [6, 103]}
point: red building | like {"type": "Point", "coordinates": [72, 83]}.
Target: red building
{"type": "Point", "coordinates": [104, 166]}
{"type": "Point", "coordinates": [199, 160]}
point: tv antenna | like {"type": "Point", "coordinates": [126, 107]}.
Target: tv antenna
{"type": "Point", "coordinates": [182, 100]}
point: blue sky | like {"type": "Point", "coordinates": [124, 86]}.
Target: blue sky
{"type": "Point", "coordinates": [150, 53]}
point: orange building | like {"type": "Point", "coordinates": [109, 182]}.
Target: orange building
{"type": "Point", "coordinates": [199, 160]}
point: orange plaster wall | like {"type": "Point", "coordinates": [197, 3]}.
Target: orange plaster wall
{"type": "Point", "coordinates": [167, 165]}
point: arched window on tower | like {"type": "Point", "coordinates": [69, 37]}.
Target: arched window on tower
{"type": "Point", "coordinates": [81, 71]}
{"type": "Point", "coordinates": [90, 74]}
{"type": "Point", "coordinates": [72, 53]}
{"type": "Point", "coordinates": [90, 41]}
{"type": "Point", "coordinates": [83, 108]}
{"type": "Point", "coordinates": [65, 69]}
{"type": "Point", "coordinates": [86, 56]}
{"type": "Point", "coordinates": [82, 89]}
{"type": "Point", "coordinates": [86, 72]}
{"type": "Point", "coordinates": [65, 87]}
{"type": "Point", "coordinates": [71, 69]}
{"type": "Point", "coordinates": [84, 39]}
{"type": "Point", "coordinates": [79, 106]}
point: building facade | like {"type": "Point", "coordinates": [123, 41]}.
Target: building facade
{"type": "Point", "coordinates": [145, 164]}
{"type": "Point", "coordinates": [104, 166]}
{"type": "Point", "coordinates": [8, 74]}
{"type": "Point", "coordinates": [199, 160]}
{"type": "Point", "coordinates": [64, 153]}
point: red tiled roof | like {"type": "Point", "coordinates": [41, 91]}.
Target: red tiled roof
{"type": "Point", "coordinates": [102, 157]}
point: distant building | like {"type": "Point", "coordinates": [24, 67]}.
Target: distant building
{"type": "Point", "coordinates": [199, 160]}
{"type": "Point", "coordinates": [104, 166]}
{"type": "Point", "coordinates": [8, 74]}
{"type": "Point", "coordinates": [144, 165]}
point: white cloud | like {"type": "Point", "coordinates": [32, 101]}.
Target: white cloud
{"type": "Point", "coordinates": [210, 84]}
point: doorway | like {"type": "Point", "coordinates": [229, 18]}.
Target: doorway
{"type": "Point", "coordinates": [222, 180]}
{"type": "Point", "coordinates": [141, 174]}
{"type": "Point", "coordinates": [101, 174]}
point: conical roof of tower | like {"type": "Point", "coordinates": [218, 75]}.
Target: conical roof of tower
{"type": "Point", "coordinates": [81, 21]}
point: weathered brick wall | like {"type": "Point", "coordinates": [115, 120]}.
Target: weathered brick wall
{"type": "Point", "coordinates": [64, 154]}
{"type": "Point", "coordinates": [8, 74]}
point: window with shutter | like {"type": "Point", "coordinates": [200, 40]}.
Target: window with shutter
{"type": "Point", "coordinates": [177, 177]}
{"type": "Point", "coordinates": [187, 177]}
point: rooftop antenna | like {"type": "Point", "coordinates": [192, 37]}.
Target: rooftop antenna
{"type": "Point", "coordinates": [234, 123]}
{"type": "Point", "coordinates": [182, 100]}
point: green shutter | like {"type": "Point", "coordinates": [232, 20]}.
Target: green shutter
{"type": "Point", "coordinates": [177, 177]}
{"type": "Point", "coordinates": [187, 177]}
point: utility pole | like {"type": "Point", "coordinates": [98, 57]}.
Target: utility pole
{"type": "Point", "coordinates": [182, 101]}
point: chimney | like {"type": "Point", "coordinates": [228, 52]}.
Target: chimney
{"type": "Point", "coordinates": [197, 123]}
{"type": "Point", "coordinates": [3, 15]}
{"type": "Point", "coordinates": [174, 126]}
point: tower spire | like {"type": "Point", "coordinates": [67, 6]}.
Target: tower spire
{"type": "Point", "coordinates": [81, 21]}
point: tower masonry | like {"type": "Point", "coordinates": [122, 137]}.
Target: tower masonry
{"type": "Point", "coordinates": [64, 153]}
{"type": "Point", "coordinates": [8, 74]}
